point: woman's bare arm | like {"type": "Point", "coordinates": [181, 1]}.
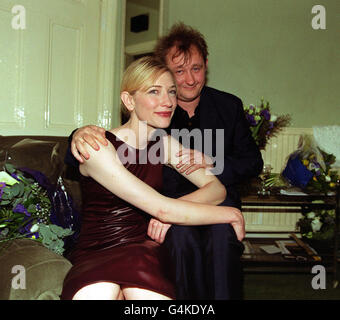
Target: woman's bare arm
{"type": "Point", "coordinates": [210, 190]}
{"type": "Point", "coordinates": [105, 167]}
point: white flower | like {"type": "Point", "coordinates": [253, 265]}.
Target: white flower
{"type": "Point", "coordinates": [34, 228]}
{"type": "Point", "coordinates": [273, 118]}
{"type": "Point", "coordinates": [328, 178]}
{"type": "Point", "coordinates": [316, 224]}
{"type": "Point", "coordinates": [311, 215]}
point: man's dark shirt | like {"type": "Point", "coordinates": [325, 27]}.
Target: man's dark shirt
{"type": "Point", "coordinates": [181, 119]}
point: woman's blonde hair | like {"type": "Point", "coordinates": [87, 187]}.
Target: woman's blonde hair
{"type": "Point", "coordinates": [141, 75]}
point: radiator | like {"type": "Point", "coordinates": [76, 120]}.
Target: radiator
{"type": "Point", "coordinates": [268, 221]}
{"type": "Point", "coordinates": [280, 147]}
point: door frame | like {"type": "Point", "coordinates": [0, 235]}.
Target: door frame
{"type": "Point", "coordinates": [147, 46]}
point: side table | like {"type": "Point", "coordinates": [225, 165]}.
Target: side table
{"type": "Point", "coordinates": [305, 202]}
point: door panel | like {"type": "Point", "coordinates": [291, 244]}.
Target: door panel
{"type": "Point", "coordinates": [49, 70]}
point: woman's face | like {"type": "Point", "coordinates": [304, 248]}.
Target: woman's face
{"type": "Point", "coordinates": [157, 104]}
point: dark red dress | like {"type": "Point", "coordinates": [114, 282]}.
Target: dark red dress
{"type": "Point", "coordinates": [113, 245]}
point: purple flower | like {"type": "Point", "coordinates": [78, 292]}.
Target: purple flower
{"type": "Point", "coordinates": [266, 114]}
{"type": "Point", "coordinates": [20, 208]}
{"type": "Point", "coordinates": [34, 235]}
{"type": "Point", "coordinates": [26, 228]}
{"type": "Point", "coordinates": [271, 124]}
{"type": "Point", "coordinates": [251, 120]}
{"type": "Point", "coordinates": [316, 164]}
{"type": "Point", "coordinates": [2, 186]}
{"type": "Point", "coordinates": [15, 176]}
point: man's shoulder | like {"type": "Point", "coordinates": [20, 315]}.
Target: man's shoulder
{"type": "Point", "coordinates": [222, 98]}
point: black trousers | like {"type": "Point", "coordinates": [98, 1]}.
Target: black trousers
{"type": "Point", "coordinates": [207, 262]}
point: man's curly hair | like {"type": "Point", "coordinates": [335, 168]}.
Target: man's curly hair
{"type": "Point", "coordinates": [183, 37]}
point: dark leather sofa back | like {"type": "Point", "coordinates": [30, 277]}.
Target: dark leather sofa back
{"type": "Point", "coordinates": [45, 154]}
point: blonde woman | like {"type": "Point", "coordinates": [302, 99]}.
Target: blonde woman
{"type": "Point", "coordinates": [114, 258]}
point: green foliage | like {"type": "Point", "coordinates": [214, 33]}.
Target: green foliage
{"type": "Point", "coordinates": [25, 211]}
{"type": "Point", "coordinates": [52, 236]}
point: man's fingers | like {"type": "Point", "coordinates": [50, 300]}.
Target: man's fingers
{"type": "Point", "coordinates": [75, 153]}
{"type": "Point", "coordinates": [91, 140]}
{"type": "Point", "coordinates": [99, 135]}
{"type": "Point", "coordinates": [100, 130]}
{"type": "Point", "coordinates": [191, 157]}
{"type": "Point", "coordinates": [82, 150]}
{"type": "Point", "coordinates": [90, 134]}
{"type": "Point", "coordinates": [193, 168]}
{"type": "Point", "coordinates": [185, 168]}
{"type": "Point", "coordinates": [183, 161]}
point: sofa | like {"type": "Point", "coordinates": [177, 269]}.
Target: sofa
{"type": "Point", "coordinates": [30, 271]}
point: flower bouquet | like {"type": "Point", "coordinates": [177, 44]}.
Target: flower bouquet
{"type": "Point", "coordinates": [263, 124]}
{"type": "Point", "coordinates": [318, 224]}
{"type": "Point", "coordinates": [309, 168]}
{"type": "Point", "coordinates": [25, 211]}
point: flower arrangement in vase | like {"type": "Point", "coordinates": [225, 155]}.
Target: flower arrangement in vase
{"type": "Point", "coordinates": [263, 123]}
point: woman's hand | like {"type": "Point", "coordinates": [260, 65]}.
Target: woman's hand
{"type": "Point", "coordinates": [88, 134]}
{"type": "Point", "coordinates": [157, 230]}
{"type": "Point", "coordinates": [239, 224]}
{"type": "Point", "coordinates": [192, 160]}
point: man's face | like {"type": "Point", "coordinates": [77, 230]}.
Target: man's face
{"type": "Point", "coordinates": [190, 75]}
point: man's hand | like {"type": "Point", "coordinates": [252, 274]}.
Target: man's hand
{"type": "Point", "coordinates": [157, 230]}
{"type": "Point", "coordinates": [88, 134]}
{"type": "Point", "coordinates": [192, 160]}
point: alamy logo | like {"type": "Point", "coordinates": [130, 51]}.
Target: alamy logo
{"type": "Point", "coordinates": [203, 141]}
{"type": "Point", "coordinates": [19, 18]}
{"type": "Point", "coordinates": [319, 20]}
{"type": "Point", "coordinates": [319, 280]}
{"type": "Point", "coordinates": [19, 281]}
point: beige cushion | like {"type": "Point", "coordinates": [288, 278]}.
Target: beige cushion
{"type": "Point", "coordinates": [42, 271]}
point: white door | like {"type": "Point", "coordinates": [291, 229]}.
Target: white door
{"type": "Point", "coordinates": [50, 69]}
